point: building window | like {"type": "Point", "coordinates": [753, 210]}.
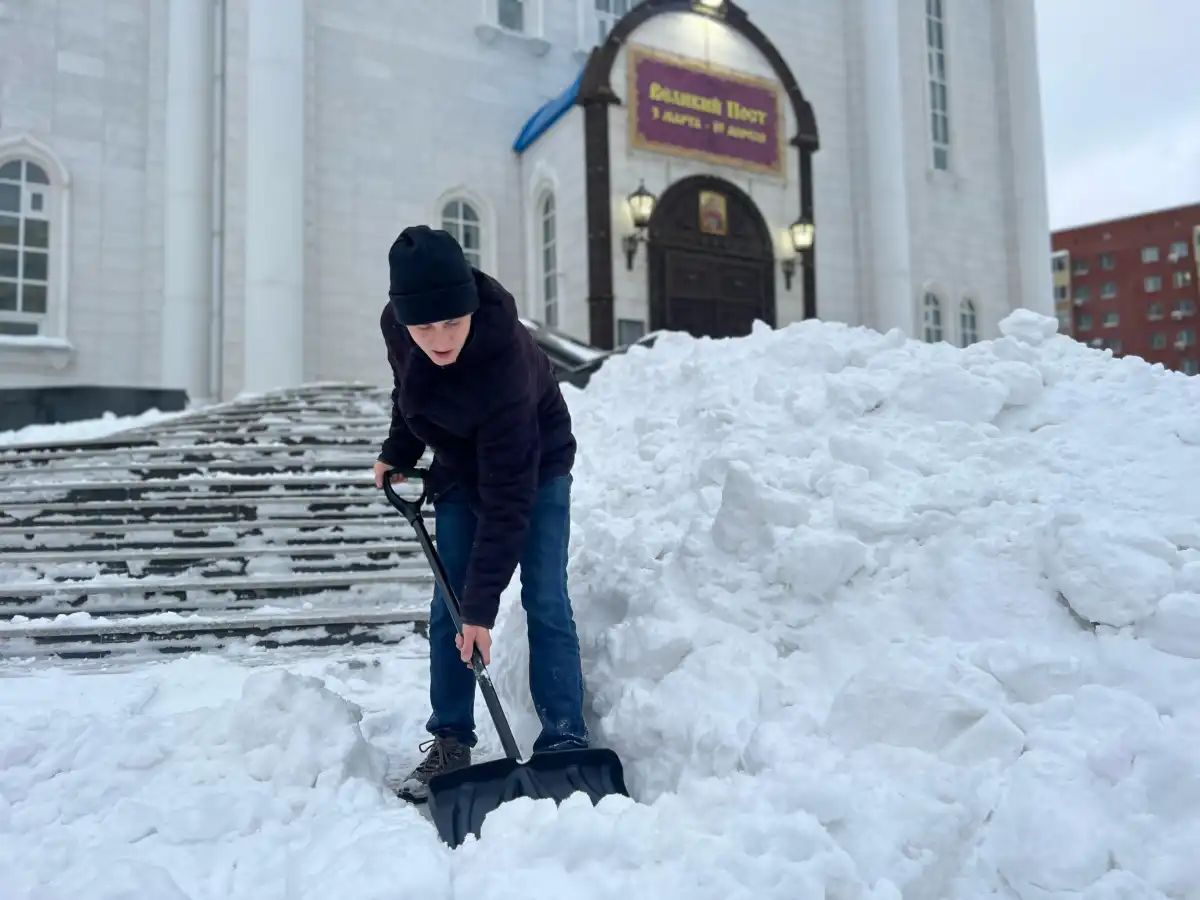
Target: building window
{"type": "Point", "coordinates": [1082, 293]}
{"type": "Point", "coordinates": [630, 331]}
{"type": "Point", "coordinates": [1158, 341]}
{"type": "Point", "coordinates": [1064, 323]}
{"type": "Point", "coordinates": [461, 220]}
{"type": "Point", "coordinates": [510, 15]}
{"type": "Point", "coordinates": [1111, 320]}
{"type": "Point", "coordinates": [968, 323]}
{"type": "Point", "coordinates": [24, 248]}
{"type": "Point", "coordinates": [939, 107]}
{"type": "Point", "coordinates": [1188, 366]}
{"type": "Point", "coordinates": [1149, 254]}
{"type": "Point", "coordinates": [1108, 290]}
{"type": "Point", "coordinates": [608, 13]}
{"type": "Point", "coordinates": [1185, 338]}
{"type": "Point", "coordinates": [1113, 344]}
{"type": "Point", "coordinates": [1181, 279]}
{"type": "Point", "coordinates": [1080, 267]}
{"type": "Point", "coordinates": [1107, 261]}
{"type": "Point", "coordinates": [549, 244]}
{"type": "Point", "coordinates": [932, 318]}
{"type": "Point", "coordinates": [1179, 250]}
{"type": "Point", "coordinates": [1185, 306]}
{"type": "Point", "coordinates": [1060, 263]}
{"type": "Point", "coordinates": [1060, 292]}
{"type": "Point", "coordinates": [1152, 283]}
{"type": "Point", "coordinates": [1085, 322]}
{"type": "Point", "coordinates": [1154, 312]}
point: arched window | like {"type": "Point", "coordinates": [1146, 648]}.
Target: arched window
{"type": "Point", "coordinates": [25, 247]}
{"type": "Point", "coordinates": [462, 221]}
{"type": "Point", "coordinates": [968, 323]}
{"type": "Point", "coordinates": [932, 318]}
{"type": "Point", "coordinates": [549, 247]}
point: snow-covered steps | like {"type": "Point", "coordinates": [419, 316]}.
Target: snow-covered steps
{"type": "Point", "coordinates": [209, 517]}
{"type": "Point", "coordinates": [79, 636]}
{"type": "Point", "coordinates": [215, 558]}
{"type": "Point", "coordinates": [103, 595]}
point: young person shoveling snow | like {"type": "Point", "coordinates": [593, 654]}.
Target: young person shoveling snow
{"type": "Point", "coordinates": [473, 386]}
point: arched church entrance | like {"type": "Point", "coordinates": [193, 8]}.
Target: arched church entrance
{"type": "Point", "coordinates": [711, 260]}
{"type": "Point", "coordinates": [596, 96]}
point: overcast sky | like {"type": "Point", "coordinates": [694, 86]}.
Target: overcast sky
{"type": "Point", "coordinates": [1120, 106]}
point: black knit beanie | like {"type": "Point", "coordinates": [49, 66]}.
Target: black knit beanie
{"type": "Point", "coordinates": [430, 278]}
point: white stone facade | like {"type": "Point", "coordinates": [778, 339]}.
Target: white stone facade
{"type": "Point", "coordinates": [226, 176]}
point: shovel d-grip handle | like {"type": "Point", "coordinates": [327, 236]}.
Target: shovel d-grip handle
{"type": "Point", "coordinates": [411, 510]}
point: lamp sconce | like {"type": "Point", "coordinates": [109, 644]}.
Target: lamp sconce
{"type": "Point", "coordinates": [788, 264]}
{"type": "Point", "coordinates": [641, 208]}
{"type": "Point", "coordinates": [803, 233]}
{"type": "Point", "coordinates": [630, 243]}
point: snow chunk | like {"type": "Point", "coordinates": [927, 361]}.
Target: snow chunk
{"type": "Point", "coordinates": [1028, 327]}
{"type": "Point", "coordinates": [295, 731]}
{"type": "Point", "coordinates": [1175, 625]}
{"type": "Point", "coordinates": [1111, 573]}
{"type": "Point", "coordinates": [939, 705]}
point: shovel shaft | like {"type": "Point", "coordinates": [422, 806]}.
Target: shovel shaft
{"type": "Point", "coordinates": [411, 510]}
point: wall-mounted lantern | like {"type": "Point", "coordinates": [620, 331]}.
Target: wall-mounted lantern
{"type": "Point", "coordinates": [712, 7]}
{"type": "Point", "coordinates": [641, 208]}
{"type": "Point", "coordinates": [803, 233]}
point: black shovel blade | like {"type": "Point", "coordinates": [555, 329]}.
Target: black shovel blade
{"type": "Point", "coordinates": [459, 800]}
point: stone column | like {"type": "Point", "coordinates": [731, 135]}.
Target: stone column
{"type": "Point", "coordinates": [273, 308]}
{"type": "Point", "coordinates": [892, 303]}
{"type": "Point", "coordinates": [187, 228]}
{"type": "Point", "coordinates": [1031, 216]}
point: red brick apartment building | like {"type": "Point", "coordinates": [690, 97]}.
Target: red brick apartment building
{"type": "Point", "coordinates": [1133, 285]}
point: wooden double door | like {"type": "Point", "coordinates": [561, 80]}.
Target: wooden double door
{"type": "Point", "coordinates": [711, 261]}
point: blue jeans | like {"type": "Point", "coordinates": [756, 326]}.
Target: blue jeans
{"type": "Point", "coordinates": [555, 671]}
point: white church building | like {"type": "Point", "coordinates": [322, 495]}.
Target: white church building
{"type": "Point", "coordinates": [197, 196]}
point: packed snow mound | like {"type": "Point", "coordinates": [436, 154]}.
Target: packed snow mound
{"type": "Point", "coordinates": [934, 610]}
{"type": "Point", "coordinates": [85, 429]}
{"type": "Point", "coordinates": [174, 771]}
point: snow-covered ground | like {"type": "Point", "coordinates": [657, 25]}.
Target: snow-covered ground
{"type": "Point", "coordinates": [866, 619]}
{"type": "Point", "coordinates": [86, 429]}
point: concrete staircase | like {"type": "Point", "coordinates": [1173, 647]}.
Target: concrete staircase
{"type": "Point", "coordinates": [253, 523]}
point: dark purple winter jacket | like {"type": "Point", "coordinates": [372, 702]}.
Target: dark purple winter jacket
{"type": "Point", "coordinates": [498, 427]}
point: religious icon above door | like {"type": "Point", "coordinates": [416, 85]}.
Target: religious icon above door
{"type": "Point", "coordinates": [713, 214]}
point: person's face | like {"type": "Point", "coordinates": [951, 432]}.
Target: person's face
{"type": "Point", "coordinates": [442, 341]}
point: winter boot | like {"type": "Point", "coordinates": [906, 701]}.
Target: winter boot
{"type": "Point", "coordinates": [445, 754]}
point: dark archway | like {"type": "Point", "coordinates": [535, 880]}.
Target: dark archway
{"type": "Point", "coordinates": [709, 285]}
{"type": "Point", "coordinates": [596, 96]}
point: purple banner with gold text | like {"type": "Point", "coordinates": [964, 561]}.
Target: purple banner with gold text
{"type": "Point", "coordinates": [686, 108]}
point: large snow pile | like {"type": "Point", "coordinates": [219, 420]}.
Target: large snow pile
{"type": "Point", "coordinates": [863, 613]}
{"type": "Point", "coordinates": [866, 619]}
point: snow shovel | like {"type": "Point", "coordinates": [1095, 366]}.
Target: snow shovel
{"type": "Point", "coordinates": [459, 800]}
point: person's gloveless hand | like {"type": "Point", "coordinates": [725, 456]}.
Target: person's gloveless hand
{"type": "Point", "coordinates": [474, 636]}
{"type": "Point", "coordinates": [380, 468]}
